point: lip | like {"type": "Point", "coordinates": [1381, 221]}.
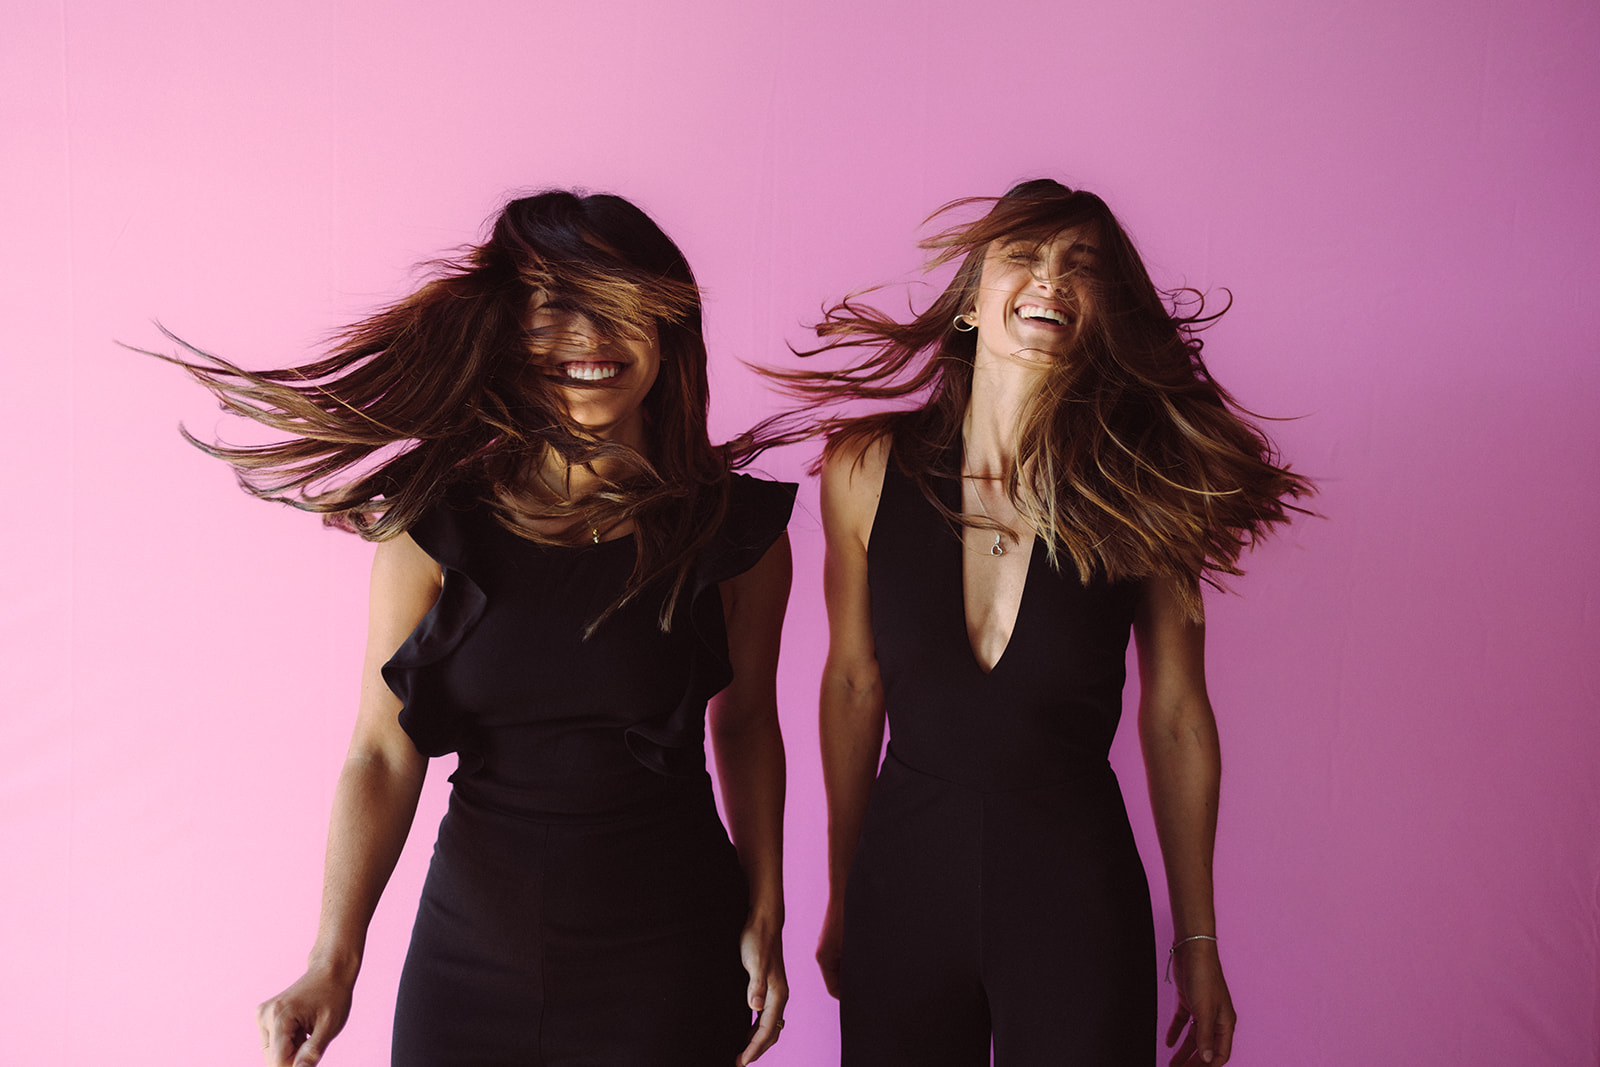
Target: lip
{"type": "Point", "coordinates": [589, 371]}
{"type": "Point", "coordinates": [1069, 320]}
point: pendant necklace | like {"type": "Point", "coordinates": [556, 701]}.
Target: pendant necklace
{"type": "Point", "coordinates": [998, 548]}
{"type": "Point", "coordinates": [594, 531]}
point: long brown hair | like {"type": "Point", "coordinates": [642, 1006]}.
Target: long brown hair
{"type": "Point", "coordinates": [435, 391]}
{"type": "Point", "coordinates": [1132, 460]}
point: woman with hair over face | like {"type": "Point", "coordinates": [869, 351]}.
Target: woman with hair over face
{"type": "Point", "coordinates": [566, 572]}
{"type": "Point", "coordinates": [1071, 472]}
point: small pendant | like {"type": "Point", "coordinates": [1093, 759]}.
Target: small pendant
{"type": "Point", "coordinates": [594, 532]}
{"type": "Point", "coordinates": [997, 549]}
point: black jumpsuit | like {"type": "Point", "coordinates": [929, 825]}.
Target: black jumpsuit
{"type": "Point", "coordinates": [996, 887]}
{"type": "Point", "coordinates": [583, 906]}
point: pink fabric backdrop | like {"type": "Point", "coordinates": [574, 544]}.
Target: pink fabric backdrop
{"type": "Point", "coordinates": [1401, 197]}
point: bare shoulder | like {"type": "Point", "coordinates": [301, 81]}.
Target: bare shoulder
{"type": "Point", "coordinates": [405, 583]}
{"type": "Point", "coordinates": [403, 562]}
{"type": "Point", "coordinates": [857, 461]}
{"type": "Point", "coordinates": [852, 481]}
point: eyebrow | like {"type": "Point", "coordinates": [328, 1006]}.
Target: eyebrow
{"type": "Point", "coordinates": [1075, 247]}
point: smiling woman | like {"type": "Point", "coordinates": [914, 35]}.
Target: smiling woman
{"type": "Point", "coordinates": [1037, 293]}
{"type": "Point", "coordinates": [567, 573]}
{"type": "Point", "coordinates": [985, 893]}
{"type": "Point", "coordinates": [604, 379]}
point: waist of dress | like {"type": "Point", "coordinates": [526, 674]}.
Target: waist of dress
{"type": "Point", "coordinates": [647, 798]}
{"type": "Point", "coordinates": [1066, 767]}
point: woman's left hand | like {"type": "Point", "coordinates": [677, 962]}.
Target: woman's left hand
{"type": "Point", "coordinates": [761, 950]}
{"type": "Point", "coordinates": [1204, 1005]}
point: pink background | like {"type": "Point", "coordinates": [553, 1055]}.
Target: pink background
{"type": "Point", "coordinates": [1401, 197]}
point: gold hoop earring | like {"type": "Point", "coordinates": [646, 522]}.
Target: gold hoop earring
{"type": "Point", "coordinates": [964, 324]}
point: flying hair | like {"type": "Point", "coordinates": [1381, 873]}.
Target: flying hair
{"type": "Point", "coordinates": [1132, 462]}
{"type": "Point", "coordinates": [442, 391]}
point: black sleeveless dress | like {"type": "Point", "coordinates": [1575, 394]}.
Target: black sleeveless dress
{"type": "Point", "coordinates": [996, 888]}
{"type": "Point", "coordinates": [583, 904]}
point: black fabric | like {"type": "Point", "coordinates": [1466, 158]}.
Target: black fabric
{"type": "Point", "coordinates": [583, 904]}
{"type": "Point", "coordinates": [996, 888]}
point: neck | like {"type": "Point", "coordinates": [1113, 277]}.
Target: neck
{"type": "Point", "coordinates": [557, 479]}
{"type": "Point", "coordinates": [571, 481]}
{"type": "Point", "coordinates": [1001, 389]}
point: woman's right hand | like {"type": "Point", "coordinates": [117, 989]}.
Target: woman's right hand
{"type": "Point", "coordinates": [297, 1024]}
{"type": "Point", "coordinates": [372, 809]}
{"type": "Point", "coordinates": [830, 947]}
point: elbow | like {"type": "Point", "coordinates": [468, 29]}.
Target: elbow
{"type": "Point", "coordinates": [1186, 726]}
{"type": "Point", "coordinates": [855, 683]}
{"type": "Point", "coordinates": [390, 764]}
{"type": "Point", "coordinates": [733, 721]}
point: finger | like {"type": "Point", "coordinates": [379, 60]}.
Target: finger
{"type": "Point", "coordinates": [279, 1051]}
{"type": "Point", "coordinates": [1179, 1019]}
{"type": "Point", "coordinates": [1185, 1053]}
{"type": "Point", "coordinates": [289, 1042]}
{"type": "Point", "coordinates": [278, 1036]}
{"type": "Point", "coordinates": [310, 1053]}
{"type": "Point", "coordinates": [264, 1019]}
{"type": "Point", "coordinates": [1225, 1024]}
{"type": "Point", "coordinates": [753, 953]}
{"type": "Point", "coordinates": [767, 1026]}
{"type": "Point", "coordinates": [1205, 1035]}
{"type": "Point", "coordinates": [756, 991]}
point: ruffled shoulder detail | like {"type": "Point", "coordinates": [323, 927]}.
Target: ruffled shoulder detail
{"type": "Point", "coordinates": [426, 712]}
{"type": "Point", "coordinates": [758, 513]}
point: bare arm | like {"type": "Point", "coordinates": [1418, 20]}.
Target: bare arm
{"type": "Point", "coordinates": [748, 745]}
{"type": "Point", "coordinates": [372, 810]}
{"type": "Point", "coordinates": [1183, 762]}
{"type": "Point", "coordinates": [851, 699]}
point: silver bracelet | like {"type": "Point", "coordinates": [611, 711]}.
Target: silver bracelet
{"type": "Point", "coordinates": [1183, 941]}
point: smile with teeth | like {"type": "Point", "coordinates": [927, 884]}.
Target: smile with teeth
{"type": "Point", "coordinates": [591, 371]}
{"type": "Point", "coordinates": [1034, 313]}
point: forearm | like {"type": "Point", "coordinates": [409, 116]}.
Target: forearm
{"type": "Point", "coordinates": [374, 803]}
{"type": "Point", "coordinates": [751, 771]}
{"type": "Point", "coordinates": [851, 726]}
{"type": "Point", "coordinates": [1183, 763]}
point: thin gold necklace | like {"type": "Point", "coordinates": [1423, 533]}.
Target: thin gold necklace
{"type": "Point", "coordinates": [998, 548]}
{"type": "Point", "coordinates": [561, 497]}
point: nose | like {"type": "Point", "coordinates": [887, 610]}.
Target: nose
{"type": "Point", "coordinates": [1046, 277]}
{"type": "Point", "coordinates": [581, 334]}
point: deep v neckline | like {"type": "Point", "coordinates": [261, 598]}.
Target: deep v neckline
{"type": "Point", "coordinates": [961, 583]}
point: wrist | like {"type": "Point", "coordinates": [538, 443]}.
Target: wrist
{"type": "Point", "coordinates": [340, 962]}
{"type": "Point", "coordinates": [1186, 945]}
{"type": "Point", "coordinates": [766, 913]}
{"type": "Point", "coordinates": [1193, 939]}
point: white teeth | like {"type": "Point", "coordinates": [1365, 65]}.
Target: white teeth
{"type": "Point", "coordinates": [1049, 314]}
{"type": "Point", "coordinates": [591, 372]}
